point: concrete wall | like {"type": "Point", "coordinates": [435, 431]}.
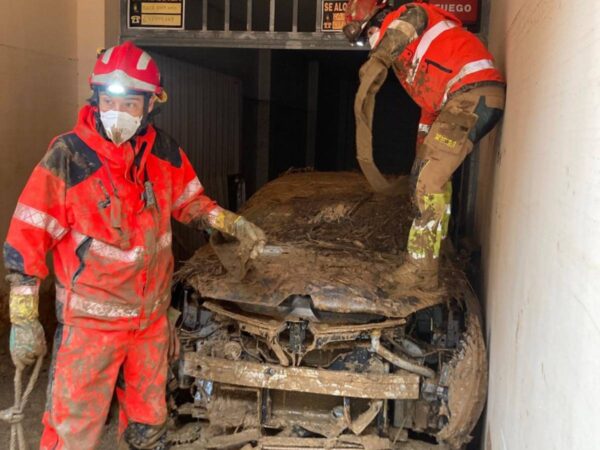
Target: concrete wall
{"type": "Point", "coordinates": [47, 49]}
{"type": "Point", "coordinates": [538, 221]}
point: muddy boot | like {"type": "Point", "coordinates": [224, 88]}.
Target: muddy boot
{"type": "Point", "coordinates": [416, 274]}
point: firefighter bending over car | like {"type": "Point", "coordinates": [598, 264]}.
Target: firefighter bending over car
{"type": "Point", "coordinates": [450, 74]}
{"type": "Point", "coordinates": [101, 200]}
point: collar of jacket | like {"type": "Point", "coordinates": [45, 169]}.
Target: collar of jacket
{"type": "Point", "coordinates": [116, 159]}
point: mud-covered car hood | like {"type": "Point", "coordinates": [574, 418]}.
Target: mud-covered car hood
{"type": "Point", "coordinates": [330, 237]}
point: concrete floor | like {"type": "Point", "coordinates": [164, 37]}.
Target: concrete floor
{"type": "Point", "coordinates": [35, 407]}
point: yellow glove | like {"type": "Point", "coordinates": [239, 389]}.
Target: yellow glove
{"type": "Point", "coordinates": [27, 339]}
{"type": "Point", "coordinates": [244, 231]}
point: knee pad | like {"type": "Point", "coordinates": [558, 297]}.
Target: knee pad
{"type": "Point", "coordinates": [487, 118]}
{"type": "Point", "coordinates": [141, 436]}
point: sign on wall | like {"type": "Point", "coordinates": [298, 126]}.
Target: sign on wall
{"type": "Point", "coordinates": [334, 12]}
{"type": "Point", "coordinates": [466, 10]}
{"type": "Point", "coordinates": [156, 14]}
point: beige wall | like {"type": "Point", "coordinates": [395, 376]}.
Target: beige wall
{"type": "Point", "coordinates": [539, 223]}
{"type": "Point", "coordinates": [97, 27]}
{"type": "Point", "coordinates": [47, 49]}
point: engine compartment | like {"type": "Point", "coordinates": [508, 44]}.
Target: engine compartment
{"type": "Point", "coordinates": [301, 373]}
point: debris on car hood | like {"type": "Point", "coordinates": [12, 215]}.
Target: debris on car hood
{"type": "Point", "coordinates": [330, 238]}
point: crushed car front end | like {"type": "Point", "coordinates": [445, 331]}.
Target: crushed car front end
{"type": "Point", "coordinates": [312, 349]}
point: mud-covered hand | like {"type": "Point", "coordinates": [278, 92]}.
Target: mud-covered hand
{"type": "Point", "coordinates": [27, 340]}
{"type": "Point", "coordinates": [249, 235]}
{"type": "Point", "coordinates": [174, 344]}
{"type": "Point", "coordinates": [27, 343]}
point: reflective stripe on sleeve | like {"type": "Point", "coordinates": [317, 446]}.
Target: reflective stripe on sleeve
{"type": "Point", "coordinates": [191, 189]}
{"type": "Point", "coordinates": [39, 219]}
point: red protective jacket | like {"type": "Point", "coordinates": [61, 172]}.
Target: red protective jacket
{"type": "Point", "coordinates": [444, 59]}
{"type": "Point", "coordinates": [105, 212]}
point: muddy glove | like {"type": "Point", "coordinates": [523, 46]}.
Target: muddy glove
{"type": "Point", "coordinates": [27, 340]}
{"type": "Point", "coordinates": [174, 345]}
{"type": "Point", "coordinates": [399, 34]}
{"type": "Point", "coordinates": [249, 235]}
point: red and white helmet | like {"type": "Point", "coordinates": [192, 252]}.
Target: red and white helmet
{"type": "Point", "coordinates": [358, 15]}
{"type": "Point", "coordinates": [124, 68]}
{"type": "Point", "coordinates": [361, 10]}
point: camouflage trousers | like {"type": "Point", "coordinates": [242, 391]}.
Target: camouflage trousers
{"type": "Point", "coordinates": [85, 367]}
{"type": "Point", "coordinates": [462, 122]}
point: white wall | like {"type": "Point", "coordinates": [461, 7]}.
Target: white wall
{"type": "Point", "coordinates": [539, 223]}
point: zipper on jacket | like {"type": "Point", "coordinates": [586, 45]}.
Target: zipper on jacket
{"type": "Point", "coordinates": [81, 251]}
{"type": "Point", "coordinates": [106, 202]}
{"type": "Point", "coordinates": [438, 65]}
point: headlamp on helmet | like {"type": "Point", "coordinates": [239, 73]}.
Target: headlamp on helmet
{"type": "Point", "coordinates": [126, 68]}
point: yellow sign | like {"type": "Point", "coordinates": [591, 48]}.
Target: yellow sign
{"type": "Point", "coordinates": [158, 14]}
{"type": "Point", "coordinates": [163, 20]}
{"type": "Point", "coordinates": [334, 15]}
{"type": "Point", "coordinates": [161, 8]}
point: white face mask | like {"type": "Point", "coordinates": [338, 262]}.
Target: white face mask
{"type": "Point", "coordinates": [119, 126]}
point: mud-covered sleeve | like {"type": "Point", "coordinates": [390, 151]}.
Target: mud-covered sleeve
{"type": "Point", "coordinates": [190, 203]}
{"type": "Point", "coordinates": [39, 221]}
{"type": "Point", "coordinates": [400, 32]}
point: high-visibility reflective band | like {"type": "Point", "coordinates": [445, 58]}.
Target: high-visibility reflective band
{"type": "Point", "coordinates": [119, 76]}
{"type": "Point", "coordinates": [25, 290]}
{"type": "Point", "coordinates": [192, 188]}
{"type": "Point", "coordinates": [117, 254]}
{"type": "Point", "coordinates": [94, 308]}
{"type": "Point", "coordinates": [424, 128]}
{"type": "Point", "coordinates": [426, 40]}
{"type": "Point", "coordinates": [467, 69]}
{"type": "Point", "coordinates": [39, 219]}
{"type": "Point", "coordinates": [162, 299]}
{"type": "Point", "coordinates": [78, 237]}
{"type": "Point", "coordinates": [164, 241]}
{"type": "Point", "coordinates": [143, 62]}
{"type": "Point", "coordinates": [106, 55]}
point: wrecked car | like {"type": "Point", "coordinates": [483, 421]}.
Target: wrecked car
{"type": "Point", "coordinates": [310, 348]}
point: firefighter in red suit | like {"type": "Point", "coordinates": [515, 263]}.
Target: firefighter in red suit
{"type": "Point", "coordinates": [101, 200]}
{"type": "Point", "coordinates": [450, 74]}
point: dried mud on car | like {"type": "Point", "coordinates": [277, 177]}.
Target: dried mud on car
{"type": "Point", "coordinates": [312, 349]}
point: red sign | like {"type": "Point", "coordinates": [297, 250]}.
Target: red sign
{"type": "Point", "coordinates": [466, 10]}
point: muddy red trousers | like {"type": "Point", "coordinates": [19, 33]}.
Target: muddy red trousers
{"type": "Point", "coordinates": [83, 375]}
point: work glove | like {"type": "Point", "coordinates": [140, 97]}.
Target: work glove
{"type": "Point", "coordinates": [249, 235]}
{"type": "Point", "coordinates": [174, 344]}
{"type": "Point", "coordinates": [27, 339]}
